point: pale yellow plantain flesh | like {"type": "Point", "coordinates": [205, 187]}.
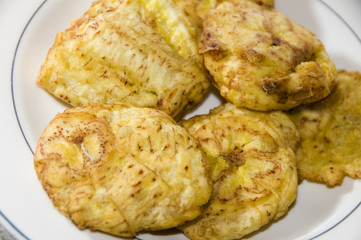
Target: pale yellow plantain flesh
{"type": "Point", "coordinates": [253, 170]}
{"type": "Point", "coordinates": [331, 133]}
{"type": "Point", "coordinates": [197, 9]}
{"type": "Point", "coordinates": [142, 53]}
{"type": "Point", "coordinates": [122, 169]}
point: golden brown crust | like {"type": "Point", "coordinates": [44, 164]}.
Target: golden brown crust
{"type": "Point", "coordinates": [262, 60]}
{"type": "Point", "coordinates": [142, 53]}
{"type": "Point", "coordinates": [253, 170]}
{"type": "Point", "coordinates": [330, 133]}
{"type": "Point", "coordinates": [122, 169]}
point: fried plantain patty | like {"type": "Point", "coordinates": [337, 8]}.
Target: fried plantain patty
{"type": "Point", "coordinates": [262, 60]}
{"type": "Point", "coordinates": [122, 169]}
{"type": "Point", "coordinates": [331, 133]}
{"type": "Point", "coordinates": [142, 53]}
{"type": "Point", "coordinates": [253, 170]}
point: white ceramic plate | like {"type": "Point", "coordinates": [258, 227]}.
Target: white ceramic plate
{"type": "Point", "coordinates": [26, 109]}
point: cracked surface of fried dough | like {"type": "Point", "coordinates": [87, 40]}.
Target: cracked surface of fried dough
{"type": "Point", "coordinates": [197, 9]}
{"type": "Point", "coordinates": [142, 53]}
{"type": "Point", "coordinates": [122, 169]}
{"type": "Point", "coordinates": [331, 133]}
{"type": "Point", "coordinates": [262, 60]}
{"type": "Point", "coordinates": [253, 170]}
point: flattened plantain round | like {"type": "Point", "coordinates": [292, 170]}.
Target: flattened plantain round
{"type": "Point", "coordinates": [122, 169]}
{"type": "Point", "coordinates": [141, 53]}
{"type": "Point", "coordinates": [253, 170]}
{"type": "Point", "coordinates": [262, 60]}
{"type": "Point", "coordinates": [331, 133]}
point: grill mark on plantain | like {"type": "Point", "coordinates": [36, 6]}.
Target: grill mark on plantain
{"type": "Point", "coordinates": [153, 171]}
{"type": "Point", "coordinates": [131, 229]}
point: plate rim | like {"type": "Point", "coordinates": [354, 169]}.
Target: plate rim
{"type": "Point", "coordinates": [11, 222]}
